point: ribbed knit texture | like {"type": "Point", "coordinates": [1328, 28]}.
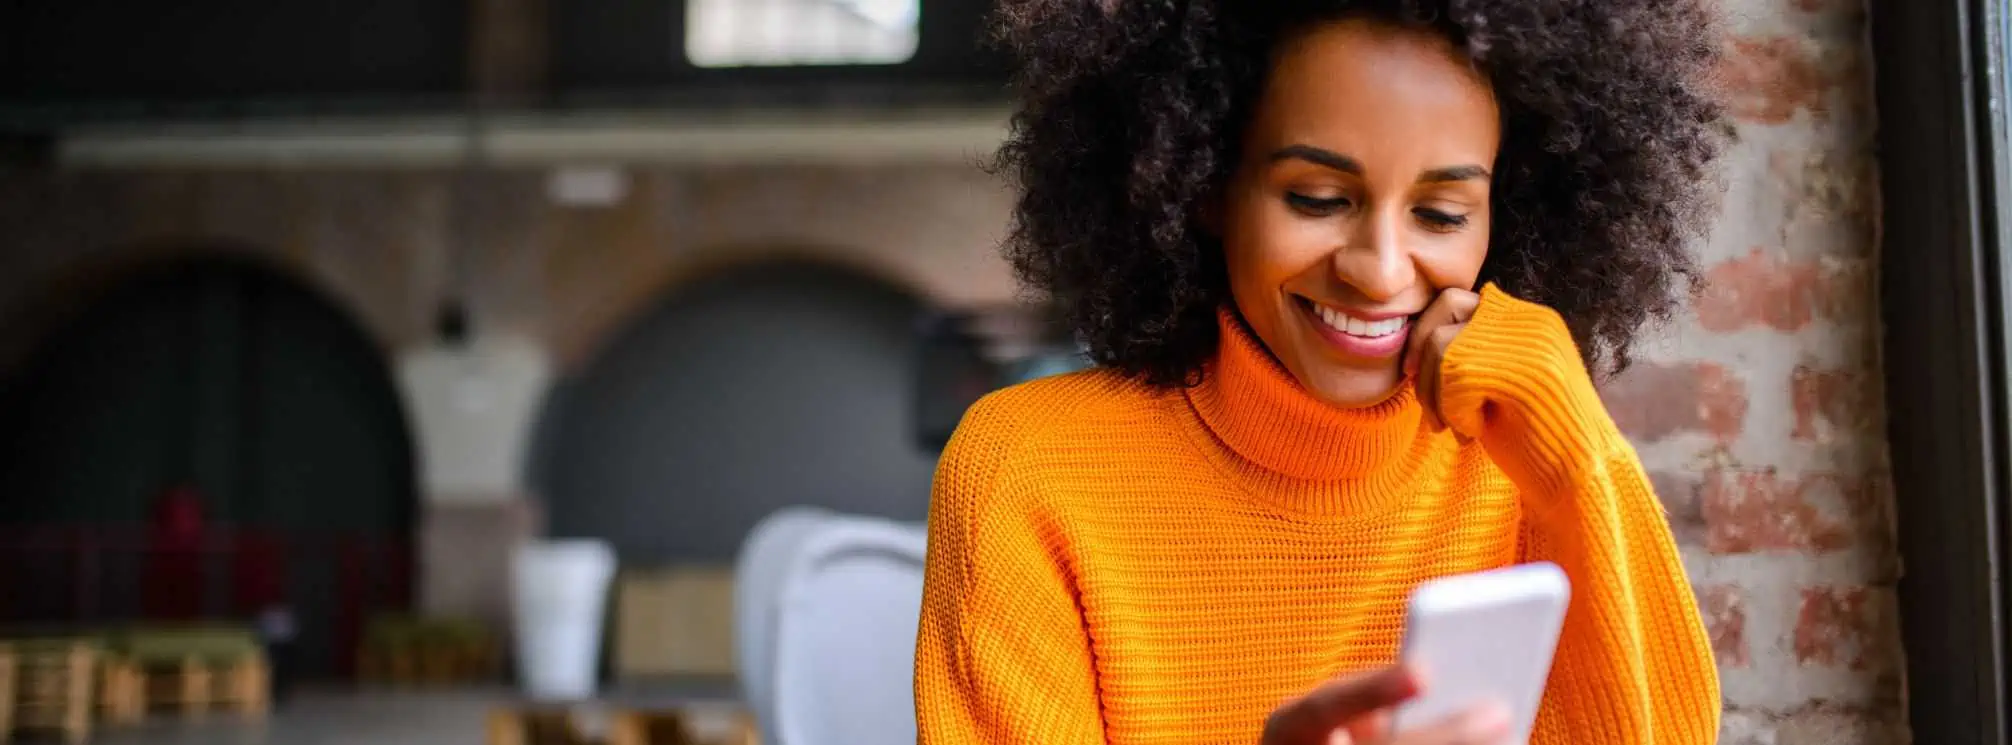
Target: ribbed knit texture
{"type": "Point", "coordinates": [1111, 562]}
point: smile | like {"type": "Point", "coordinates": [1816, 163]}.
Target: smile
{"type": "Point", "coordinates": [1355, 336]}
{"type": "Point", "coordinates": [1353, 326]}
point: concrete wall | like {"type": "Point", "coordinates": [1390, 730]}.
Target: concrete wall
{"type": "Point", "coordinates": [1760, 414]}
{"type": "Point", "coordinates": [779, 385]}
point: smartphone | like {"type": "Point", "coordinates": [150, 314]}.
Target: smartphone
{"type": "Point", "coordinates": [1486, 636]}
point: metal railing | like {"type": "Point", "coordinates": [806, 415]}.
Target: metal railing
{"type": "Point", "coordinates": [69, 578]}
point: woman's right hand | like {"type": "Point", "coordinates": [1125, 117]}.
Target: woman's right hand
{"type": "Point", "coordinates": [1357, 711]}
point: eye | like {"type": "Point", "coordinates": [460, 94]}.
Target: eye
{"type": "Point", "coordinates": [1315, 206]}
{"type": "Point", "coordinates": [1439, 222]}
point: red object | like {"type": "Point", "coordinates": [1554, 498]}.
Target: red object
{"type": "Point", "coordinates": [350, 570]}
{"type": "Point", "coordinates": [258, 571]}
{"type": "Point", "coordinates": [179, 513]}
{"type": "Point", "coordinates": [172, 587]}
{"type": "Point", "coordinates": [174, 551]}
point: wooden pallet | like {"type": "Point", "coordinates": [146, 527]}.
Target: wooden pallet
{"type": "Point", "coordinates": [558, 726]}
{"type": "Point", "coordinates": [417, 651]}
{"type": "Point", "coordinates": [244, 687]}
{"type": "Point", "coordinates": [535, 726]}
{"type": "Point", "coordinates": [427, 666]}
{"type": "Point", "coordinates": [7, 677]}
{"type": "Point", "coordinates": [184, 686]}
{"type": "Point", "coordinates": [651, 728]}
{"type": "Point", "coordinates": [56, 690]}
{"type": "Point", "coordinates": [196, 687]}
{"type": "Point", "coordinates": [122, 692]}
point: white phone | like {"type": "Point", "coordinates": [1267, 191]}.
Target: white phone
{"type": "Point", "coordinates": [1481, 637]}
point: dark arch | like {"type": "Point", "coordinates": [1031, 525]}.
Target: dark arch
{"type": "Point", "coordinates": [743, 390]}
{"type": "Point", "coordinates": [221, 372]}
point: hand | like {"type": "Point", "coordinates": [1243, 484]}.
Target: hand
{"type": "Point", "coordinates": [1357, 711]}
{"type": "Point", "coordinates": [1431, 334]}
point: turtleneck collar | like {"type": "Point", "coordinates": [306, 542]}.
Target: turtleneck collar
{"type": "Point", "coordinates": [1326, 457]}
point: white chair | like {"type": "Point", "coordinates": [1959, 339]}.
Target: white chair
{"type": "Point", "coordinates": [758, 578]}
{"type": "Point", "coordinates": [845, 636]}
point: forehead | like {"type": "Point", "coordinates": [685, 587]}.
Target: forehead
{"type": "Point", "coordinates": [1355, 79]}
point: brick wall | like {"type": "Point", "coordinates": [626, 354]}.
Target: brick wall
{"type": "Point", "coordinates": [1762, 417]}
{"type": "Point", "coordinates": [379, 241]}
{"type": "Point", "coordinates": [1760, 414]}
{"type": "Point", "coordinates": [380, 244]}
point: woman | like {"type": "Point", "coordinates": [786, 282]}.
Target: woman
{"type": "Point", "coordinates": [1345, 267]}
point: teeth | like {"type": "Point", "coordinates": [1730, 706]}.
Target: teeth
{"type": "Point", "coordinates": [1346, 324]}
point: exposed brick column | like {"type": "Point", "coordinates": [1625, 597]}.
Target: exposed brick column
{"type": "Point", "coordinates": [1761, 415]}
{"type": "Point", "coordinates": [469, 529]}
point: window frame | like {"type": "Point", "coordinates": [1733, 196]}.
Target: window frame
{"type": "Point", "coordinates": [632, 55]}
{"type": "Point", "coordinates": [697, 9]}
{"type": "Point", "coordinates": [1946, 209]}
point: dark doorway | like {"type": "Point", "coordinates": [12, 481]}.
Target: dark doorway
{"type": "Point", "coordinates": [739, 393]}
{"type": "Point", "coordinates": [231, 384]}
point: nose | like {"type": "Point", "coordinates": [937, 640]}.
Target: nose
{"type": "Point", "coordinates": [1373, 259]}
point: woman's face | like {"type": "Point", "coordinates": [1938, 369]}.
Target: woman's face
{"type": "Point", "coordinates": [1362, 192]}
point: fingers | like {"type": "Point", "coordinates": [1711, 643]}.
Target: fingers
{"type": "Point", "coordinates": [1340, 704]}
{"type": "Point", "coordinates": [1485, 725]}
{"type": "Point", "coordinates": [1357, 696]}
{"type": "Point", "coordinates": [1453, 307]}
{"type": "Point", "coordinates": [1366, 730]}
{"type": "Point", "coordinates": [1430, 334]}
{"type": "Point", "coordinates": [1428, 387]}
{"type": "Point", "coordinates": [1428, 381]}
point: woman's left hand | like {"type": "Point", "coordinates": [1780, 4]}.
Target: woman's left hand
{"type": "Point", "coordinates": [1431, 334]}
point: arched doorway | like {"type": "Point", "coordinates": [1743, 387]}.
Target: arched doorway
{"type": "Point", "coordinates": [235, 384]}
{"type": "Point", "coordinates": [767, 385]}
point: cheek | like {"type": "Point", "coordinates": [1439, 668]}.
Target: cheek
{"type": "Point", "coordinates": [1458, 261]}
{"type": "Point", "coordinates": [1266, 248]}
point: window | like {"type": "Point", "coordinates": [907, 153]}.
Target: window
{"type": "Point", "coordinates": [1946, 185]}
{"type": "Point", "coordinates": [781, 33]}
{"type": "Point", "coordinates": [735, 54]}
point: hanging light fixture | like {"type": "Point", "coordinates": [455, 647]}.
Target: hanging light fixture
{"type": "Point", "coordinates": [452, 320]}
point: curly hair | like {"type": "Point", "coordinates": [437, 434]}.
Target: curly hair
{"type": "Point", "coordinates": [1132, 113]}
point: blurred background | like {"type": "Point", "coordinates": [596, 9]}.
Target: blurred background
{"type": "Point", "coordinates": [397, 372]}
{"type": "Point", "coordinates": [317, 312]}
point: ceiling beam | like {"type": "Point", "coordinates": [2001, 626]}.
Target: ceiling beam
{"type": "Point", "coordinates": [962, 135]}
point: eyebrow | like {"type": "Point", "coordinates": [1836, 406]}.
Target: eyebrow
{"type": "Point", "coordinates": [1345, 164]}
{"type": "Point", "coordinates": [1454, 173]}
{"type": "Point", "coordinates": [1319, 157]}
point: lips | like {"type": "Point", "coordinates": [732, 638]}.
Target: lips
{"type": "Point", "coordinates": [1382, 335]}
{"type": "Point", "coordinates": [1354, 326]}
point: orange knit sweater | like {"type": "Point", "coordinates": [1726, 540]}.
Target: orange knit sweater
{"type": "Point", "coordinates": [1111, 562]}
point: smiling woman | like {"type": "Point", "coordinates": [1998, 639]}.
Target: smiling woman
{"type": "Point", "coordinates": [1369, 192]}
{"type": "Point", "coordinates": [1133, 122]}
{"type": "Point", "coordinates": [1347, 268]}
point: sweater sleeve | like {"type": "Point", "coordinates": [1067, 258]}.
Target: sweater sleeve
{"type": "Point", "coordinates": [1635, 664]}
{"type": "Point", "coordinates": [1001, 655]}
